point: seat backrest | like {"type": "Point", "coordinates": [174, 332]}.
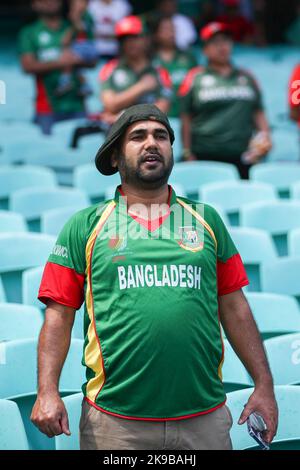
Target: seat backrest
{"type": "Point", "coordinates": [12, 432]}
{"type": "Point", "coordinates": [277, 217]}
{"type": "Point", "coordinates": [281, 175]}
{"type": "Point", "coordinates": [234, 373]}
{"type": "Point", "coordinates": [73, 407]}
{"type": "Point", "coordinates": [284, 358]}
{"type": "Point", "coordinates": [19, 321]}
{"type": "Point", "coordinates": [52, 221]}
{"type": "Point", "coordinates": [31, 280]}
{"type": "Point", "coordinates": [12, 222]}
{"type": "Point", "coordinates": [254, 245]}
{"type": "Point", "coordinates": [294, 242]}
{"type": "Point", "coordinates": [281, 276]}
{"type": "Point", "coordinates": [94, 183]}
{"type": "Point", "coordinates": [13, 178]}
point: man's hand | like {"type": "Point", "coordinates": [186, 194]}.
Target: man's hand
{"type": "Point", "coordinates": [69, 59]}
{"type": "Point", "coordinates": [264, 403]}
{"type": "Point", "coordinates": [50, 416]}
{"type": "Point", "coordinates": [148, 82]}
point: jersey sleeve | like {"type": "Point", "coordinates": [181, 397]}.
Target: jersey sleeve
{"type": "Point", "coordinates": [25, 42]}
{"type": "Point", "coordinates": [64, 274]}
{"type": "Point", "coordinates": [185, 91]}
{"type": "Point", "coordinates": [231, 273]}
{"type": "Point", "coordinates": [106, 75]}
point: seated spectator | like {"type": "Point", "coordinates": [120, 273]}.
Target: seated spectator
{"type": "Point", "coordinates": [106, 13]}
{"type": "Point", "coordinates": [133, 79]}
{"type": "Point", "coordinates": [168, 56]}
{"type": "Point", "coordinates": [80, 40]}
{"type": "Point", "coordinates": [241, 28]}
{"type": "Point", "coordinates": [43, 55]}
{"type": "Point", "coordinates": [185, 31]}
{"type": "Point", "coordinates": [221, 108]}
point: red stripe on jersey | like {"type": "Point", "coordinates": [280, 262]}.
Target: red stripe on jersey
{"type": "Point", "coordinates": [43, 105]}
{"type": "Point", "coordinates": [63, 285]}
{"type": "Point", "coordinates": [231, 275]}
{"type": "Point", "coordinates": [188, 80]}
{"type": "Point", "coordinates": [164, 77]}
{"type": "Point", "coordinates": [108, 69]}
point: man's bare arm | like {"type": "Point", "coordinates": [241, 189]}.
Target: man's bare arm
{"type": "Point", "coordinates": [49, 413]}
{"type": "Point", "coordinates": [241, 330]}
{"type": "Point", "coordinates": [67, 59]}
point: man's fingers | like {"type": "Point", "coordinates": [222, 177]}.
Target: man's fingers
{"type": "Point", "coordinates": [64, 422]}
{"type": "Point", "coordinates": [246, 412]}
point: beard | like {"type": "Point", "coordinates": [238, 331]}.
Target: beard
{"type": "Point", "coordinates": [139, 176]}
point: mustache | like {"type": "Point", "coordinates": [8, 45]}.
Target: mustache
{"type": "Point", "coordinates": [154, 153]}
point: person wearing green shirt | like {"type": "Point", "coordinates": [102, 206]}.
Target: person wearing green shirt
{"type": "Point", "coordinates": [43, 56]}
{"type": "Point", "coordinates": [172, 59]}
{"type": "Point", "coordinates": [221, 108]}
{"type": "Point", "coordinates": [158, 274]}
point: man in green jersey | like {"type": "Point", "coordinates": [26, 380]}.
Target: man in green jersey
{"type": "Point", "coordinates": [42, 55]}
{"type": "Point", "coordinates": [158, 274]}
{"type": "Point", "coordinates": [221, 107]}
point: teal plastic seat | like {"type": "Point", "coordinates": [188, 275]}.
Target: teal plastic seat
{"type": "Point", "coordinates": [177, 145]}
{"type": "Point", "coordinates": [275, 314]}
{"type": "Point", "coordinates": [235, 376]}
{"type": "Point", "coordinates": [78, 326]}
{"type": "Point", "coordinates": [282, 276]}
{"type": "Point", "coordinates": [20, 251]}
{"type": "Point", "coordinates": [52, 221]}
{"type": "Point", "coordinates": [294, 242]}
{"type": "Point", "coordinates": [295, 190]}
{"type": "Point", "coordinates": [90, 144]}
{"type": "Point", "coordinates": [255, 247]}
{"type": "Point", "coordinates": [284, 358]}
{"type": "Point", "coordinates": [12, 222]}
{"type": "Point", "coordinates": [233, 196]}
{"type": "Point", "coordinates": [13, 178]}
{"type": "Point", "coordinates": [31, 280]}
{"type": "Point", "coordinates": [276, 217]}
{"type": "Point", "coordinates": [192, 175]}
{"type": "Point", "coordinates": [19, 321]}
{"type": "Point", "coordinates": [21, 362]}
{"type": "Point", "coordinates": [12, 431]}
{"type": "Point", "coordinates": [281, 175]}
{"type": "Point", "coordinates": [2, 292]}
{"type": "Point", "coordinates": [62, 160]}
{"type": "Point", "coordinates": [88, 179]}
{"type": "Point", "coordinates": [73, 405]}
{"type": "Point", "coordinates": [288, 433]}
{"type": "Point", "coordinates": [31, 203]}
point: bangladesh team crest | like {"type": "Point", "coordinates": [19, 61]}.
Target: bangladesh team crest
{"type": "Point", "coordinates": [190, 239]}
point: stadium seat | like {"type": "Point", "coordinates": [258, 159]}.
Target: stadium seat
{"type": "Point", "coordinates": [284, 358]}
{"type": "Point", "coordinates": [177, 145]}
{"type": "Point", "coordinates": [282, 276]}
{"type": "Point", "coordinates": [192, 175]}
{"type": "Point", "coordinates": [52, 221]}
{"type": "Point", "coordinates": [31, 280]}
{"type": "Point", "coordinates": [13, 178]}
{"type": "Point", "coordinates": [21, 361]}
{"type": "Point", "coordinates": [295, 190]}
{"type": "Point", "coordinates": [20, 251]}
{"type": "Point", "coordinates": [255, 247]}
{"type": "Point", "coordinates": [235, 376]}
{"type": "Point", "coordinates": [2, 292]}
{"type": "Point", "coordinates": [31, 203]}
{"type": "Point", "coordinates": [288, 433]}
{"type": "Point", "coordinates": [12, 431]}
{"type": "Point", "coordinates": [275, 314]}
{"type": "Point", "coordinates": [281, 175]}
{"type": "Point", "coordinates": [12, 222]}
{"type": "Point", "coordinates": [88, 179]}
{"type": "Point", "coordinates": [90, 144]}
{"type": "Point", "coordinates": [294, 242]}
{"type": "Point", "coordinates": [276, 217]}
{"type": "Point", "coordinates": [78, 331]}
{"type": "Point", "coordinates": [73, 406]}
{"type": "Point", "coordinates": [62, 160]}
{"type": "Point", "coordinates": [19, 321]}
{"type": "Point", "coordinates": [232, 196]}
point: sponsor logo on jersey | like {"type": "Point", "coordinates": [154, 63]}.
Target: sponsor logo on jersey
{"type": "Point", "coordinates": [225, 93]}
{"type": "Point", "coordinates": [182, 275]}
{"type": "Point", "coordinates": [44, 38]}
{"type": "Point", "coordinates": [190, 239]}
{"type": "Point", "coordinates": [208, 80]}
{"type": "Point", "coordinates": [121, 78]}
{"type": "Point", "coordinates": [60, 250]}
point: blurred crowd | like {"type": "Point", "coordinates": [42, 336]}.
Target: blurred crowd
{"type": "Point", "coordinates": [150, 58]}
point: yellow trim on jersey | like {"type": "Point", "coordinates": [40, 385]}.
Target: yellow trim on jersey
{"type": "Point", "coordinates": [92, 353]}
{"type": "Point", "coordinates": [200, 219]}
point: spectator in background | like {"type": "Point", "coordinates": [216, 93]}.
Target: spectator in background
{"type": "Point", "coordinates": [294, 95]}
{"type": "Point", "coordinates": [106, 13]}
{"type": "Point", "coordinates": [222, 112]}
{"type": "Point", "coordinates": [43, 55]}
{"type": "Point", "coordinates": [185, 31]}
{"type": "Point", "coordinates": [168, 56]}
{"type": "Point", "coordinates": [133, 79]}
{"type": "Point", "coordinates": [242, 29]}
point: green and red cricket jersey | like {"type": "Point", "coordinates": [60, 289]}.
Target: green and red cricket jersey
{"type": "Point", "coordinates": [47, 45]}
{"type": "Point", "coordinates": [153, 347]}
{"type": "Point", "coordinates": [222, 111]}
{"type": "Point", "coordinates": [117, 76]}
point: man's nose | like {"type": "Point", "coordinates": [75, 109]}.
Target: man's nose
{"type": "Point", "coordinates": [150, 141]}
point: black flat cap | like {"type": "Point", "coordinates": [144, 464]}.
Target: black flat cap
{"type": "Point", "coordinates": [138, 112]}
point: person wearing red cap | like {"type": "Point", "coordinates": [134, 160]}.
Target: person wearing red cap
{"type": "Point", "coordinates": [221, 107]}
{"type": "Point", "coordinates": [241, 28]}
{"type": "Point", "coordinates": [132, 78]}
